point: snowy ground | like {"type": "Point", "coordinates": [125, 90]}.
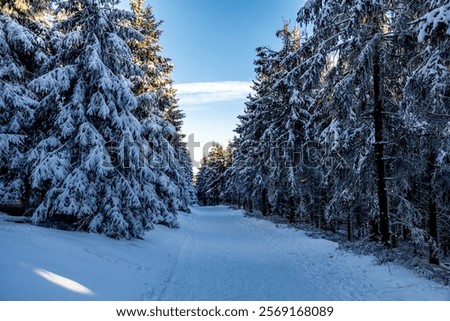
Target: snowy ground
{"type": "Point", "coordinates": [217, 254]}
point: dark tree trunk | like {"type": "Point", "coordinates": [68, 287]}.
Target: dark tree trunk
{"type": "Point", "coordinates": [292, 211]}
{"type": "Point", "coordinates": [264, 202]}
{"type": "Point", "coordinates": [379, 151]}
{"type": "Point", "coordinates": [349, 228]}
{"type": "Point", "coordinates": [359, 229]}
{"type": "Point", "coordinates": [432, 210]}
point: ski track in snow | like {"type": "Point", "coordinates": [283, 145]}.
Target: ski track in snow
{"type": "Point", "coordinates": [217, 254]}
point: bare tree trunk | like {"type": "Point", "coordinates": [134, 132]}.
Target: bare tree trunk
{"type": "Point", "coordinates": [349, 228]}
{"type": "Point", "coordinates": [379, 151]}
{"type": "Point", "coordinates": [264, 202]}
{"type": "Point", "coordinates": [292, 211]}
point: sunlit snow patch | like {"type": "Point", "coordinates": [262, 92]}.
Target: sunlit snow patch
{"type": "Point", "coordinates": [63, 282]}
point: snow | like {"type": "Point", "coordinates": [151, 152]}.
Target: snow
{"type": "Point", "coordinates": [432, 20]}
{"type": "Point", "coordinates": [217, 254]}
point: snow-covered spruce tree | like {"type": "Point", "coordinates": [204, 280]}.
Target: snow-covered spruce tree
{"type": "Point", "coordinates": [182, 159]}
{"type": "Point", "coordinates": [227, 194]}
{"type": "Point", "coordinates": [250, 169]}
{"type": "Point", "coordinates": [21, 56]}
{"type": "Point", "coordinates": [296, 81]}
{"type": "Point", "coordinates": [331, 175]}
{"type": "Point", "coordinates": [426, 120]}
{"type": "Point", "coordinates": [88, 169]}
{"type": "Point", "coordinates": [210, 178]}
{"type": "Point", "coordinates": [284, 131]}
{"type": "Point", "coordinates": [239, 176]}
{"type": "Point", "coordinates": [399, 47]}
{"type": "Point", "coordinates": [231, 193]}
{"type": "Point", "coordinates": [201, 181]}
{"type": "Point", "coordinates": [355, 101]}
{"type": "Point", "coordinates": [157, 82]}
{"type": "Point", "coordinates": [266, 171]}
{"type": "Point", "coordinates": [268, 136]}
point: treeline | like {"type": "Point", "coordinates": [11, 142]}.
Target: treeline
{"type": "Point", "coordinates": [348, 128]}
{"type": "Point", "coordinates": [90, 129]}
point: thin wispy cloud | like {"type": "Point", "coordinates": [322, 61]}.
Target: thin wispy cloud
{"type": "Point", "coordinates": [201, 93]}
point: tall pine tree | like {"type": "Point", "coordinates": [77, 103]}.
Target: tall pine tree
{"type": "Point", "coordinates": [426, 121]}
{"type": "Point", "coordinates": [211, 180]}
{"type": "Point", "coordinates": [156, 81]}
{"type": "Point", "coordinates": [21, 55]}
{"type": "Point", "coordinates": [86, 172]}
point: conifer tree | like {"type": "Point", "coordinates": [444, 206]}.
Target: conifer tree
{"type": "Point", "coordinates": [21, 55]}
{"type": "Point", "coordinates": [253, 147]}
{"type": "Point", "coordinates": [86, 173]}
{"type": "Point", "coordinates": [354, 88]}
{"type": "Point", "coordinates": [210, 178]}
{"type": "Point", "coordinates": [266, 158]}
{"type": "Point", "coordinates": [426, 120]}
{"type": "Point", "coordinates": [156, 81]}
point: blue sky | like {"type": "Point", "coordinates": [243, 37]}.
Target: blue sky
{"type": "Point", "coordinates": [212, 46]}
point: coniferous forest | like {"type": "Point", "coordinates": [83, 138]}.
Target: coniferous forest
{"type": "Point", "coordinates": [90, 129]}
{"type": "Point", "coordinates": [348, 126]}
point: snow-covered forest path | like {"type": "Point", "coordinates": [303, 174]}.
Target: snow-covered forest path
{"type": "Point", "coordinates": [226, 256]}
{"type": "Point", "coordinates": [217, 254]}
